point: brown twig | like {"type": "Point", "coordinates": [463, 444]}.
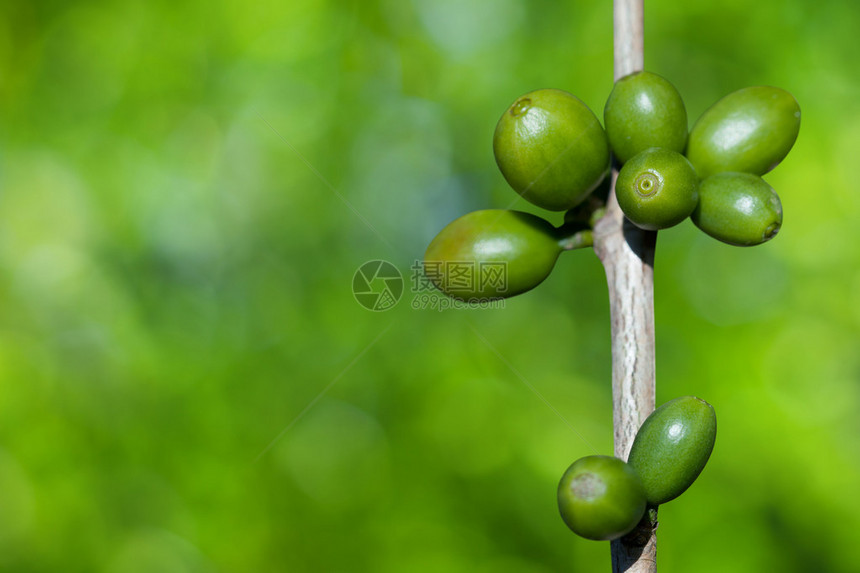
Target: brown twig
{"type": "Point", "coordinates": [627, 254]}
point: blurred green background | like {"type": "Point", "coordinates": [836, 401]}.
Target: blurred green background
{"type": "Point", "coordinates": [188, 385]}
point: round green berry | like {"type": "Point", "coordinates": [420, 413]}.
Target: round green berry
{"type": "Point", "coordinates": [738, 208]}
{"type": "Point", "coordinates": [644, 110]}
{"type": "Point", "coordinates": [672, 447]}
{"type": "Point", "coordinates": [492, 254]}
{"type": "Point", "coordinates": [600, 498]}
{"type": "Point", "coordinates": [551, 149]}
{"type": "Point", "coordinates": [657, 189]}
{"type": "Point", "coordinates": [750, 130]}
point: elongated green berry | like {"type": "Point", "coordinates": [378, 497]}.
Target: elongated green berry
{"type": "Point", "coordinates": [750, 130]}
{"type": "Point", "coordinates": [644, 110]}
{"type": "Point", "coordinates": [551, 149]}
{"type": "Point", "coordinates": [672, 447]}
{"type": "Point", "coordinates": [657, 189]}
{"type": "Point", "coordinates": [600, 498]}
{"type": "Point", "coordinates": [492, 254]}
{"type": "Point", "coordinates": [738, 208]}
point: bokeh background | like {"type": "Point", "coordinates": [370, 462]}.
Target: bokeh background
{"type": "Point", "coordinates": [188, 385]}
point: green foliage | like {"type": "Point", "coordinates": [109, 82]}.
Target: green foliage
{"type": "Point", "coordinates": [175, 292]}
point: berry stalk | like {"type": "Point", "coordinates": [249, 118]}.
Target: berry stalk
{"type": "Point", "coordinates": [627, 255]}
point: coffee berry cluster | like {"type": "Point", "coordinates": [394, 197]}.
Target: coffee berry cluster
{"type": "Point", "coordinates": [553, 151]}
{"type": "Point", "coordinates": [604, 498]}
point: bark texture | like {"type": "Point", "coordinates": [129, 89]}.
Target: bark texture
{"type": "Point", "coordinates": [627, 254]}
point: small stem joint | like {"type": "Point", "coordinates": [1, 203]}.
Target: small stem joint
{"type": "Point", "coordinates": [641, 534]}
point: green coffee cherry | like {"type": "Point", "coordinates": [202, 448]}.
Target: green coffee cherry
{"type": "Point", "coordinates": [551, 149]}
{"type": "Point", "coordinates": [672, 447]}
{"type": "Point", "coordinates": [738, 208]}
{"type": "Point", "coordinates": [492, 254]}
{"type": "Point", "coordinates": [644, 110]}
{"type": "Point", "coordinates": [600, 498]}
{"type": "Point", "coordinates": [750, 130]}
{"type": "Point", "coordinates": [657, 189]}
